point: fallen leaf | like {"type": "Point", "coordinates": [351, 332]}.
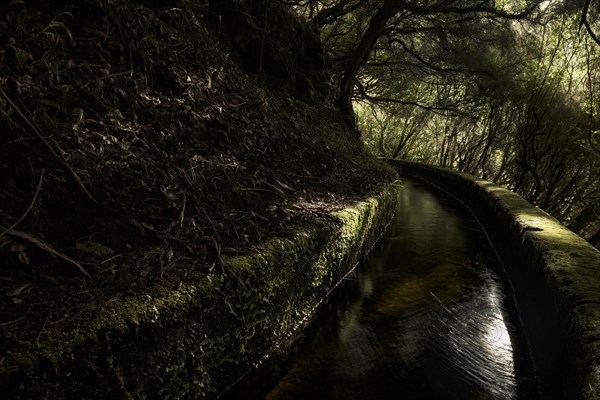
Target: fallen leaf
{"type": "Point", "coordinates": [24, 258]}
{"type": "Point", "coordinates": [283, 185]}
{"type": "Point", "coordinates": [17, 291]}
{"type": "Point", "coordinates": [94, 248]}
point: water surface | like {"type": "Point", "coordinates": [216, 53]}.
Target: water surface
{"type": "Point", "coordinates": [426, 317]}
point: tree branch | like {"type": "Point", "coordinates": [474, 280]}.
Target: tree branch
{"type": "Point", "coordinates": [440, 69]}
{"type": "Point", "coordinates": [481, 8]}
{"type": "Point", "coordinates": [329, 15]}
{"type": "Point", "coordinates": [383, 99]}
{"type": "Point", "coordinates": [584, 22]}
{"type": "Point", "coordinates": [35, 196]}
{"type": "Point", "coordinates": [29, 122]}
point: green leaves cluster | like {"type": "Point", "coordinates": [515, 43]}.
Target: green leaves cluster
{"type": "Point", "coordinates": [56, 28]}
{"type": "Point", "coordinates": [507, 90]}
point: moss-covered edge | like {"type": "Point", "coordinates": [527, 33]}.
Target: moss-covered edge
{"type": "Point", "coordinates": [555, 274]}
{"type": "Point", "coordinates": [196, 341]}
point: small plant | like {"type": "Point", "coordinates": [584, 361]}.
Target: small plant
{"type": "Point", "coordinates": [55, 26]}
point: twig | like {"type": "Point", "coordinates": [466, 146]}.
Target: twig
{"type": "Point", "coordinates": [35, 196]}
{"type": "Point", "coordinates": [111, 258]}
{"type": "Point", "coordinates": [216, 242]}
{"type": "Point", "coordinates": [14, 321]}
{"type": "Point", "coordinates": [39, 135]}
{"type": "Point", "coordinates": [182, 216]}
{"type": "Point", "coordinates": [212, 225]}
{"type": "Point", "coordinates": [37, 339]}
{"type": "Point", "coordinates": [46, 247]}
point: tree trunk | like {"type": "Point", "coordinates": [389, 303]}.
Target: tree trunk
{"type": "Point", "coordinates": [360, 55]}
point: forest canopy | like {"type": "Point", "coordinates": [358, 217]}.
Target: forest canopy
{"type": "Point", "coordinates": [506, 90]}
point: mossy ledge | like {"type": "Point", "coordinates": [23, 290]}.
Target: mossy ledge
{"type": "Point", "coordinates": [555, 275]}
{"type": "Point", "coordinates": [196, 341]}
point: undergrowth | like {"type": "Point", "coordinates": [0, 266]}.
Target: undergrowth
{"type": "Point", "coordinates": [135, 154]}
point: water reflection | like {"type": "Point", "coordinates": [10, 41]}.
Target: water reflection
{"type": "Point", "coordinates": [423, 319]}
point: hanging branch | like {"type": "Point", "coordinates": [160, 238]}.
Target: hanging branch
{"type": "Point", "coordinates": [439, 110]}
{"type": "Point", "coordinates": [584, 22]}
{"type": "Point", "coordinates": [39, 135]}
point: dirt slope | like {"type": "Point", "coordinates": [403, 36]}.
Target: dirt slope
{"type": "Point", "coordinates": [140, 142]}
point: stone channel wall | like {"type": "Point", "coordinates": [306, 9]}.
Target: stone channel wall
{"type": "Point", "coordinates": [197, 341]}
{"type": "Point", "coordinates": [555, 276]}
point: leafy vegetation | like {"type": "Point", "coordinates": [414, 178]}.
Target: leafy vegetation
{"type": "Point", "coordinates": [143, 142]}
{"type": "Point", "coordinates": [506, 90]}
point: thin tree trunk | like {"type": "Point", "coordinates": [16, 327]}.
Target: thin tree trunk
{"type": "Point", "coordinates": [361, 53]}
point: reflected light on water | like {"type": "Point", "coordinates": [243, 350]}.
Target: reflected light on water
{"type": "Point", "coordinates": [423, 319]}
{"type": "Point", "coordinates": [497, 336]}
{"type": "Point", "coordinates": [475, 342]}
{"type": "Point", "coordinates": [497, 341]}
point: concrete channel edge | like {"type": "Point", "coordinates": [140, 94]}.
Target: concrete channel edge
{"type": "Point", "coordinates": [196, 341]}
{"type": "Point", "coordinates": [555, 276]}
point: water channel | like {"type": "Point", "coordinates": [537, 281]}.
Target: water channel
{"type": "Point", "coordinates": [427, 316]}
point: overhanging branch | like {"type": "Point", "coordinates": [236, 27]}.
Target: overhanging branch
{"type": "Point", "coordinates": [480, 8]}
{"type": "Point", "coordinates": [440, 69]}
{"type": "Point", "coordinates": [445, 111]}
{"type": "Point", "coordinates": [585, 22]}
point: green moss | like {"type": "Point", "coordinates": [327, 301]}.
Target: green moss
{"type": "Point", "coordinates": [199, 339]}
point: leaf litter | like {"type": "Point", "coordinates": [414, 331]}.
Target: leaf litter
{"type": "Point", "coordinates": [135, 153]}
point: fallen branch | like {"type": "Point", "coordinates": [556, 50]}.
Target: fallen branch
{"type": "Point", "coordinates": [39, 243]}
{"type": "Point", "coordinates": [39, 135]}
{"type": "Point", "coordinates": [35, 196]}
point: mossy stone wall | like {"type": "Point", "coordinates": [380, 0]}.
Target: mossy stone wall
{"type": "Point", "coordinates": [196, 341]}
{"type": "Point", "coordinates": [555, 276]}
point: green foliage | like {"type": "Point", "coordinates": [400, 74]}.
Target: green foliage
{"type": "Point", "coordinates": [57, 28]}
{"type": "Point", "coordinates": [512, 100]}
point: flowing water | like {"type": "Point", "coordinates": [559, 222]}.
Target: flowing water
{"type": "Point", "coordinates": [427, 316]}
